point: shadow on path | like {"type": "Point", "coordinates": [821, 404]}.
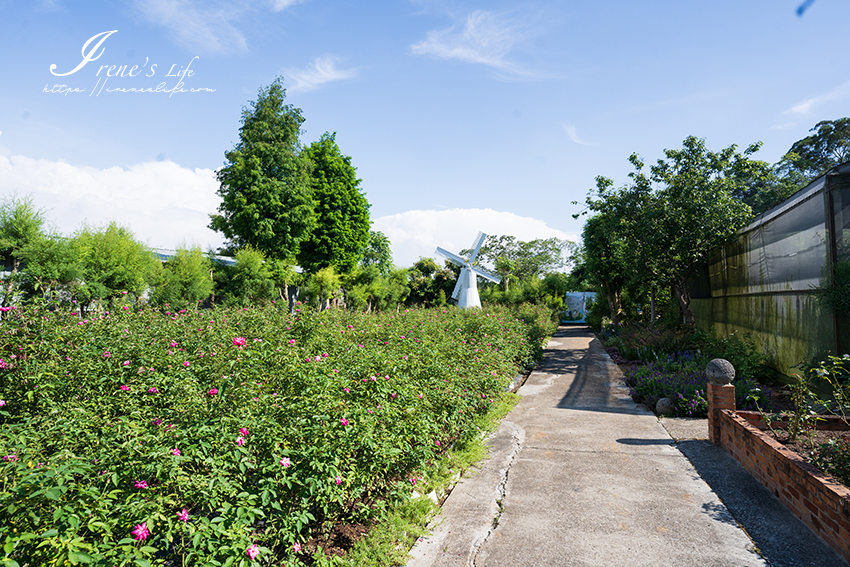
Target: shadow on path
{"type": "Point", "coordinates": [782, 539]}
{"type": "Point", "coordinates": [593, 374]}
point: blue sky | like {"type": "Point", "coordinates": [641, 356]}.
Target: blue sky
{"type": "Point", "coordinates": [459, 116]}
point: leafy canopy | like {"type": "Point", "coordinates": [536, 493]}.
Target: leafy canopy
{"type": "Point", "coordinates": [663, 224]}
{"type": "Point", "coordinates": [341, 233]}
{"type": "Point", "coordinates": [185, 279]}
{"type": "Point", "coordinates": [265, 184]}
{"type": "Point", "coordinates": [112, 262]}
{"type": "Point", "coordinates": [378, 253]}
{"type": "Point", "coordinates": [828, 146]}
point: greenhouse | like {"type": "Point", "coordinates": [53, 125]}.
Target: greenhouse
{"type": "Point", "coordinates": [763, 283]}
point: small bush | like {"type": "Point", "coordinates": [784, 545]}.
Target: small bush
{"type": "Point", "coordinates": [681, 377]}
{"type": "Point", "coordinates": [650, 343]}
{"type": "Point", "coordinates": [833, 458]}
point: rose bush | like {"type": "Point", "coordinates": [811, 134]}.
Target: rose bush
{"type": "Point", "coordinates": [231, 436]}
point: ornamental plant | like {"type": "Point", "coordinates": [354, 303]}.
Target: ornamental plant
{"type": "Point", "coordinates": [681, 377]}
{"type": "Point", "coordinates": [232, 435]}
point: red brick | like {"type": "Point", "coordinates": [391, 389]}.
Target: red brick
{"type": "Point", "coordinates": [810, 505]}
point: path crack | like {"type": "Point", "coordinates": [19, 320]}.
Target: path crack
{"type": "Point", "coordinates": [501, 492]}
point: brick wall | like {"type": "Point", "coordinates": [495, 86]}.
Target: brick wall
{"type": "Point", "coordinates": [828, 422]}
{"type": "Point", "coordinates": [820, 502]}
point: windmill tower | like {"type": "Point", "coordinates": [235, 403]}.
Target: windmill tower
{"type": "Point", "coordinates": [466, 289]}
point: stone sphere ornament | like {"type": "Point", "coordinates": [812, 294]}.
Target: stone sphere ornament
{"type": "Point", "coordinates": [665, 406]}
{"type": "Point", "coordinates": [720, 371]}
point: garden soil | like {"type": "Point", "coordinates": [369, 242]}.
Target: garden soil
{"type": "Point", "coordinates": [579, 474]}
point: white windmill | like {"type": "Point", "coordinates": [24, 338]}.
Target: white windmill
{"type": "Point", "coordinates": [466, 289]}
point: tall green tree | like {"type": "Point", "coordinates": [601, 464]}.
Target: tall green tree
{"type": "Point", "coordinates": [378, 253]}
{"type": "Point", "coordinates": [341, 233]}
{"type": "Point", "coordinates": [265, 190]}
{"type": "Point", "coordinates": [51, 267]}
{"type": "Point", "coordinates": [21, 226]}
{"type": "Point", "coordinates": [324, 285]}
{"type": "Point", "coordinates": [689, 207]}
{"type": "Point", "coordinates": [284, 275]}
{"type": "Point", "coordinates": [524, 260]}
{"type": "Point", "coordinates": [666, 221]}
{"type": "Point", "coordinates": [826, 147]}
{"type": "Point", "coordinates": [427, 280]}
{"type": "Point", "coordinates": [606, 258]}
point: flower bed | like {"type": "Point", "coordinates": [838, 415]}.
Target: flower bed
{"type": "Point", "coordinates": [819, 500]}
{"type": "Point", "coordinates": [681, 377]}
{"type": "Point", "coordinates": [229, 436]}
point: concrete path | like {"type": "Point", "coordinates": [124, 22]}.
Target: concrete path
{"type": "Point", "coordinates": [580, 475]}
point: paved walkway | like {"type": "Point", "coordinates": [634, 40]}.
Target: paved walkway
{"type": "Point", "coordinates": [580, 475]}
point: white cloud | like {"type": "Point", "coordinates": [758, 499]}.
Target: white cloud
{"type": "Point", "coordinates": [208, 26]}
{"type": "Point", "coordinates": [278, 5]}
{"type": "Point", "coordinates": [484, 38]}
{"type": "Point", "coordinates": [416, 234]}
{"type": "Point", "coordinates": [163, 203]}
{"type": "Point", "coordinates": [322, 70]}
{"type": "Point", "coordinates": [205, 27]}
{"type": "Point", "coordinates": [571, 132]}
{"type": "Point", "coordinates": [806, 107]}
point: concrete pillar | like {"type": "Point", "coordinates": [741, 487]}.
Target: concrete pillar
{"type": "Point", "coordinates": [721, 394]}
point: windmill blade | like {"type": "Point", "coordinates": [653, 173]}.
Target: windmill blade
{"type": "Point", "coordinates": [458, 286]}
{"type": "Point", "coordinates": [486, 275]}
{"type": "Point", "coordinates": [453, 257]}
{"type": "Point", "coordinates": [476, 246]}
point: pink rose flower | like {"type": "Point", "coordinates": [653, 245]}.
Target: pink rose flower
{"type": "Point", "coordinates": [285, 462]}
{"type": "Point", "coordinates": [141, 484]}
{"type": "Point", "coordinates": [239, 341]}
{"type": "Point", "coordinates": [175, 452]}
{"type": "Point", "coordinates": [252, 551]}
{"type": "Point", "coordinates": [243, 431]}
{"type": "Point", "coordinates": [183, 516]}
{"type": "Point", "coordinates": [297, 547]}
{"type": "Point", "coordinates": [141, 531]}
{"type": "Point", "coordinates": [213, 392]}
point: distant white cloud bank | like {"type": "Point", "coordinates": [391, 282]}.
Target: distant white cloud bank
{"type": "Point", "coordinates": [416, 234]}
{"type": "Point", "coordinates": [166, 205]}
{"type": "Point", "coordinates": [163, 203]}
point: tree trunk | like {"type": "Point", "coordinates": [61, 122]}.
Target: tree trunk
{"type": "Point", "coordinates": [613, 304]}
{"type": "Point", "coordinates": [683, 295]}
{"type": "Point", "coordinates": [652, 306]}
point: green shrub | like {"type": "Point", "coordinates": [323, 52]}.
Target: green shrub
{"type": "Point", "coordinates": [833, 458]}
{"type": "Point", "coordinates": [267, 428]}
{"type": "Point", "coordinates": [681, 377]}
